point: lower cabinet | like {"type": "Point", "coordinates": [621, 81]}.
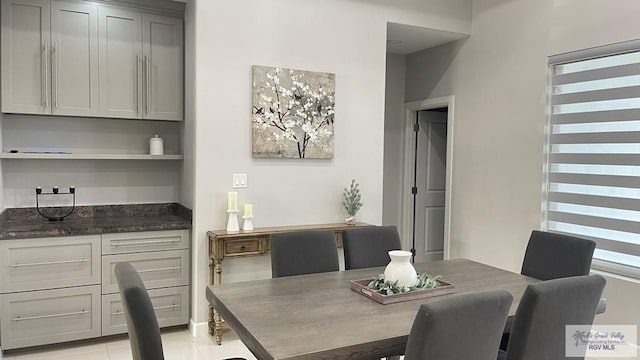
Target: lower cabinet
{"type": "Point", "coordinates": [49, 316]}
{"type": "Point", "coordinates": [171, 306]}
{"type": "Point", "coordinates": [60, 289]}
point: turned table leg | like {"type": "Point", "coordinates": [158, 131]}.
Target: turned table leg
{"type": "Point", "coordinates": [215, 321]}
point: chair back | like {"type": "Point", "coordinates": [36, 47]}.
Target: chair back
{"type": "Point", "coordinates": [368, 246]}
{"type": "Point", "coordinates": [142, 324]}
{"type": "Point", "coordinates": [460, 327]}
{"type": "Point", "coordinates": [552, 256]}
{"type": "Point", "coordinates": [303, 252]}
{"type": "Point", "coordinates": [538, 330]}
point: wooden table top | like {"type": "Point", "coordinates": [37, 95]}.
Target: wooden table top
{"type": "Point", "coordinates": [318, 316]}
{"type": "Point", "coordinates": [259, 231]}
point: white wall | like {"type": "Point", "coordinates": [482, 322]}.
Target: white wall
{"type": "Point", "coordinates": [393, 143]}
{"type": "Point", "coordinates": [97, 181]}
{"type": "Point", "coordinates": [499, 76]}
{"type": "Point", "coordinates": [345, 37]}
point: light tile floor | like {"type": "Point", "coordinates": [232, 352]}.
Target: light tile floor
{"type": "Point", "coordinates": [178, 344]}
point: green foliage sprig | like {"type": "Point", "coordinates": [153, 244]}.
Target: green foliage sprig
{"type": "Point", "coordinates": [351, 198]}
{"type": "Point", "coordinates": [425, 281]}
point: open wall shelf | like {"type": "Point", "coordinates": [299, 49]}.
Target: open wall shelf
{"type": "Point", "coordinates": [26, 156]}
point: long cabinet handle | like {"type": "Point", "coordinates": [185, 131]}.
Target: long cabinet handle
{"type": "Point", "coordinates": [54, 83]}
{"type": "Point", "coordinates": [135, 243]}
{"type": "Point", "coordinates": [137, 92]}
{"type": "Point", "coordinates": [160, 269]}
{"type": "Point", "coordinates": [51, 263]}
{"type": "Point", "coordinates": [43, 62]}
{"type": "Point", "coordinates": [146, 85]}
{"type": "Point", "coordinates": [156, 308]}
{"type": "Point", "coordinates": [82, 312]}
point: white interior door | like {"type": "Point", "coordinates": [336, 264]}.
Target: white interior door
{"type": "Point", "coordinates": [430, 182]}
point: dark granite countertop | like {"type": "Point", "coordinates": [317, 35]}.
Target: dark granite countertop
{"type": "Point", "coordinates": [21, 223]}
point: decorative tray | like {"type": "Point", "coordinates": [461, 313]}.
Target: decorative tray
{"type": "Point", "coordinates": [362, 288]}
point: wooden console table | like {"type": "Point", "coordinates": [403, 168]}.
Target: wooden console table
{"type": "Point", "coordinates": [224, 244]}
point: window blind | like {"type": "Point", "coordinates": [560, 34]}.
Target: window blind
{"type": "Point", "coordinates": [593, 153]}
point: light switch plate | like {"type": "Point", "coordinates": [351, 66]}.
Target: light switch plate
{"type": "Point", "coordinates": [239, 181]}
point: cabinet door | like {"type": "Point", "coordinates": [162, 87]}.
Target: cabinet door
{"type": "Point", "coordinates": [163, 60]}
{"type": "Point", "coordinates": [25, 60]}
{"type": "Point", "coordinates": [74, 59]}
{"type": "Point", "coordinates": [120, 63]}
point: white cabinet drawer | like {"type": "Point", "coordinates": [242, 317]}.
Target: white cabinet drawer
{"type": "Point", "coordinates": [145, 241]}
{"type": "Point", "coordinates": [36, 264]}
{"type": "Point", "coordinates": [157, 269]}
{"type": "Point", "coordinates": [171, 306]}
{"type": "Point", "coordinates": [49, 316]}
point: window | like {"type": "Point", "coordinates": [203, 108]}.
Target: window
{"type": "Point", "coordinates": [592, 184]}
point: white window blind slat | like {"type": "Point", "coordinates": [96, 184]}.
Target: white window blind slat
{"type": "Point", "coordinates": [627, 137]}
{"type": "Point", "coordinates": [594, 221]}
{"type": "Point", "coordinates": [591, 179]}
{"type": "Point", "coordinates": [593, 168]}
{"type": "Point", "coordinates": [619, 202]}
{"type": "Point", "coordinates": [596, 116]}
{"type": "Point", "coordinates": [602, 96]}
{"type": "Point", "coordinates": [596, 159]}
{"type": "Point", "coordinates": [597, 74]}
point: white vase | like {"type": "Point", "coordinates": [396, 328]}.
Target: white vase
{"type": "Point", "coordinates": [400, 269]}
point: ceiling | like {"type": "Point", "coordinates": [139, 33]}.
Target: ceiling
{"type": "Point", "coordinates": [406, 39]}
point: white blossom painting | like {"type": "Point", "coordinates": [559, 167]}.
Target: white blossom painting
{"type": "Point", "coordinates": [293, 113]}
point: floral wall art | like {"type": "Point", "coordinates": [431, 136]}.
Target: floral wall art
{"type": "Point", "coordinates": [293, 113]}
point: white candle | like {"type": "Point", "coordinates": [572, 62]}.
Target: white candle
{"type": "Point", "coordinates": [248, 210]}
{"type": "Point", "coordinates": [232, 201]}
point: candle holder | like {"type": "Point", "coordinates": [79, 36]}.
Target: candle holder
{"type": "Point", "coordinates": [247, 225]}
{"type": "Point", "coordinates": [232, 223]}
{"type": "Point", "coordinates": [56, 191]}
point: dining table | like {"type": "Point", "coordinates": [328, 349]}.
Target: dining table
{"type": "Point", "coordinates": [318, 316]}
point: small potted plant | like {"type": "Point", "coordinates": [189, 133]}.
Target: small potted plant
{"type": "Point", "coordinates": [351, 202]}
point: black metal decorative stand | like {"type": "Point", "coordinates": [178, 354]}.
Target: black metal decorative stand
{"type": "Point", "coordinates": [56, 191]}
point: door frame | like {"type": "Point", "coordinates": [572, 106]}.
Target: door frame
{"type": "Point", "coordinates": [410, 109]}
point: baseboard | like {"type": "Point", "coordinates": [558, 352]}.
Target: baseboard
{"type": "Point", "coordinates": [198, 328]}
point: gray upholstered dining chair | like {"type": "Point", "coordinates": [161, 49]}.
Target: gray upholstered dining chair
{"type": "Point", "coordinates": [303, 252]}
{"type": "Point", "coordinates": [459, 327]}
{"type": "Point", "coordinates": [142, 324]}
{"type": "Point", "coordinates": [552, 256]}
{"type": "Point", "coordinates": [538, 330]}
{"type": "Point", "coordinates": [368, 246]}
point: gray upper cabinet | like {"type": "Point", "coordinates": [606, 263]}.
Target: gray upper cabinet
{"type": "Point", "coordinates": [26, 77]}
{"type": "Point", "coordinates": [77, 58]}
{"type": "Point", "coordinates": [141, 65]}
{"type": "Point", "coordinates": [120, 63]}
{"type": "Point", "coordinates": [49, 58]}
{"type": "Point", "coordinates": [74, 59]}
{"type": "Point", "coordinates": [163, 68]}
